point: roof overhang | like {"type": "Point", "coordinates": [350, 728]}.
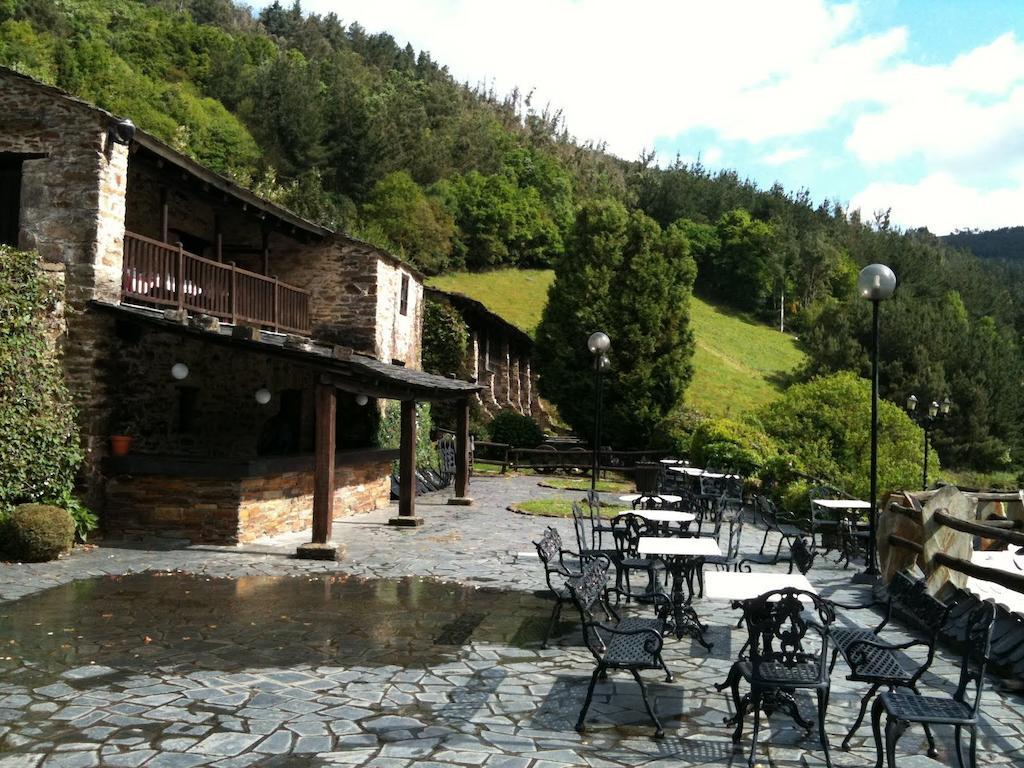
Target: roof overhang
{"type": "Point", "coordinates": [347, 370]}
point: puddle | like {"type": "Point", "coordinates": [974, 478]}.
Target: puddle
{"type": "Point", "coordinates": [178, 620]}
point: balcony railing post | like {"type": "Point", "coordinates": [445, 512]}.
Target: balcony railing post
{"type": "Point", "coordinates": [234, 294]}
{"type": "Point", "coordinates": [181, 277]}
{"type": "Point", "coordinates": [277, 294]}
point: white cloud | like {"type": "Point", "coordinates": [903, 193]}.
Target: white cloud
{"type": "Point", "coordinates": [783, 156]}
{"type": "Point", "coordinates": [965, 117]}
{"type": "Point", "coordinates": [943, 204]}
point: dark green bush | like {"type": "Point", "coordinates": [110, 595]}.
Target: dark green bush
{"type": "Point", "coordinates": [517, 430]}
{"type": "Point", "coordinates": [733, 445]}
{"type": "Point", "coordinates": [34, 533]}
{"type": "Point", "coordinates": [39, 448]}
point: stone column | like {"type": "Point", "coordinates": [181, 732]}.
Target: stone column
{"type": "Point", "coordinates": [526, 386]}
{"type": "Point", "coordinates": [514, 394]}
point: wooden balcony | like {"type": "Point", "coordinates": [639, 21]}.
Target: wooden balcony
{"type": "Point", "coordinates": [168, 276]}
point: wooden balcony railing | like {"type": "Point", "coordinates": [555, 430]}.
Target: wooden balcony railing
{"type": "Point", "coordinates": [166, 275]}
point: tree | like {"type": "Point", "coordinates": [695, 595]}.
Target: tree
{"type": "Point", "coordinates": [623, 274]}
{"type": "Point", "coordinates": [416, 224]}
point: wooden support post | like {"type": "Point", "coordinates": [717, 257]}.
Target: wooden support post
{"type": "Point", "coordinates": [181, 278]}
{"type": "Point", "coordinates": [323, 478]}
{"type": "Point", "coordinates": [266, 252]}
{"type": "Point", "coordinates": [462, 497]}
{"type": "Point", "coordinates": [407, 469]}
{"type": "Point", "coordinates": [218, 238]}
{"type": "Point", "coordinates": [163, 215]}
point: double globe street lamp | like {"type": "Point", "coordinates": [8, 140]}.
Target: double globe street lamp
{"type": "Point", "coordinates": [876, 283]}
{"type": "Point", "coordinates": [926, 420]}
{"type": "Point", "coordinates": [598, 344]}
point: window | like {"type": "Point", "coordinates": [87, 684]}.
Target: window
{"type": "Point", "coordinates": [403, 306]}
{"type": "Point", "coordinates": [10, 199]}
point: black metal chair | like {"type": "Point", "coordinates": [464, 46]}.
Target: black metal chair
{"type": "Point", "coordinates": [598, 525]}
{"type": "Point", "coordinates": [902, 708]}
{"type": "Point", "coordinates": [774, 521]}
{"type": "Point", "coordinates": [801, 556]}
{"type": "Point", "coordinates": [633, 643]}
{"type": "Point", "coordinates": [728, 560]}
{"type": "Point", "coordinates": [873, 661]}
{"type": "Point", "coordinates": [627, 528]}
{"type": "Point", "coordinates": [556, 573]}
{"type": "Point", "coordinates": [782, 659]}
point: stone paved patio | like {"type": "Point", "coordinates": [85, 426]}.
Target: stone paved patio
{"type": "Point", "coordinates": [354, 663]}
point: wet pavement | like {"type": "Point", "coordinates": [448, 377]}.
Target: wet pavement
{"type": "Point", "coordinates": [419, 648]}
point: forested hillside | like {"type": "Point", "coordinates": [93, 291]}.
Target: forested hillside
{"type": "Point", "coordinates": [363, 133]}
{"type": "Point", "coordinates": [1005, 243]}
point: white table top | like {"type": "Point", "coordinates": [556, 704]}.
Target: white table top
{"type": "Point", "coordinates": [699, 546]}
{"type": "Point", "coordinates": [842, 503]}
{"type": "Point", "coordinates": [1005, 560]}
{"type": "Point", "coordinates": [698, 472]}
{"type": "Point", "coordinates": [661, 515]}
{"type": "Point", "coordinates": [728, 585]}
{"type": "Point", "coordinates": [671, 461]}
{"type": "Point", "coordinates": [666, 497]}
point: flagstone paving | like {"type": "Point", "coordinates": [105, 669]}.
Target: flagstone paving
{"type": "Point", "coordinates": [419, 648]}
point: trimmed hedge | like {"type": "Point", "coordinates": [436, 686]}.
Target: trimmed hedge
{"type": "Point", "coordinates": [34, 533]}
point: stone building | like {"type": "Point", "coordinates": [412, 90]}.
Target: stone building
{"type": "Point", "coordinates": [242, 348]}
{"type": "Point", "coordinates": [500, 356]}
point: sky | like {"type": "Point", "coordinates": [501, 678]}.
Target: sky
{"type": "Point", "coordinates": [913, 105]}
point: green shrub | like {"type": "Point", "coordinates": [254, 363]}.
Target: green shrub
{"type": "Point", "coordinates": [35, 533]}
{"type": "Point", "coordinates": [728, 444]}
{"type": "Point", "coordinates": [824, 426]}
{"type": "Point", "coordinates": [517, 430]}
{"type": "Point", "coordinates": [389, 433]}
{"type": "Point", "coordinates": [39, 448]}
{"type": "Point", "coordinates": [85, 519]}
{"type": "Point", "coordinates": [445, 339]}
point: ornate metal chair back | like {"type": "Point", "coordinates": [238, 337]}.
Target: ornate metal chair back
{"type": "Point", "coordinates": [627, 529]}
{"type": "Point", "coordinates": [977, 646]}
{"type": "Point", "coordinates": [732, 549]}
{"type": "Point", "coordinates": [587, 593]}
{"type": "Point", "coordinates": [582, 526]}
{"type": "Point", "coordinates": [549, 550]}
{"type": "Point", "coordinates": [712, 486]}
{"type": "Point", "coordinates": [778, 623]}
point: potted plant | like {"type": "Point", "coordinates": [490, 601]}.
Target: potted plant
{"type": "Point", "coordinates": [120, 444]}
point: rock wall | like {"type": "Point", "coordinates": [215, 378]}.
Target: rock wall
{"type": "Point", "coordinates": [398, 333]}
{"type": "Point", "coordinates": [235, 510]}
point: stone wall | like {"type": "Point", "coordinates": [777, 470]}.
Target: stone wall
{"type": "Point", "coordinates": [356, 291]}
{"type": "Point", "coordinates": [398, 334]}
{"type": "Point", "coordinates": [235, 510]}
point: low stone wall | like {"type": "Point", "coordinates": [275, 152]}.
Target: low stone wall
{"type": "Point", "coordinates": [235, 507]}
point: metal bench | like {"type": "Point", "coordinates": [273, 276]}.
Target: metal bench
{"type": "Point", "coordinates": [632, 643]}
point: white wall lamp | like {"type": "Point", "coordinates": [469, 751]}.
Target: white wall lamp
{"type": "Point", "coordinates": [362, 399]}
{"type": "Point", "coordinates": [262, 395]}
{"type": "Point", "coordinates": [179, 371]}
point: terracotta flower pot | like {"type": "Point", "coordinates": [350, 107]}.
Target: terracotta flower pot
{"type": "Point", "coordinates": [120, 444]}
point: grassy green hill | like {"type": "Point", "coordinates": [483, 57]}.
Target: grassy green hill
{"type": "Point", "coordinates": [738, 365]}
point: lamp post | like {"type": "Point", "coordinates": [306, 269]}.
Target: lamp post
{"type": "Point", "coordinates": [926, 420]}
{"type": "Point", "coordinates": [876, 283]}
{"type": "Point", "coordinates": [598, 344]}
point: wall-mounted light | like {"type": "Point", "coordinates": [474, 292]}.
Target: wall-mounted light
{"type": "Point", "coordinates": [262, 395]}
{"type": "Point", "coordinates": [362, 399]}
{"type": "Point", "coordinates": [179, 371]}
{"type": "Point", "coordinates": [122, 132]}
